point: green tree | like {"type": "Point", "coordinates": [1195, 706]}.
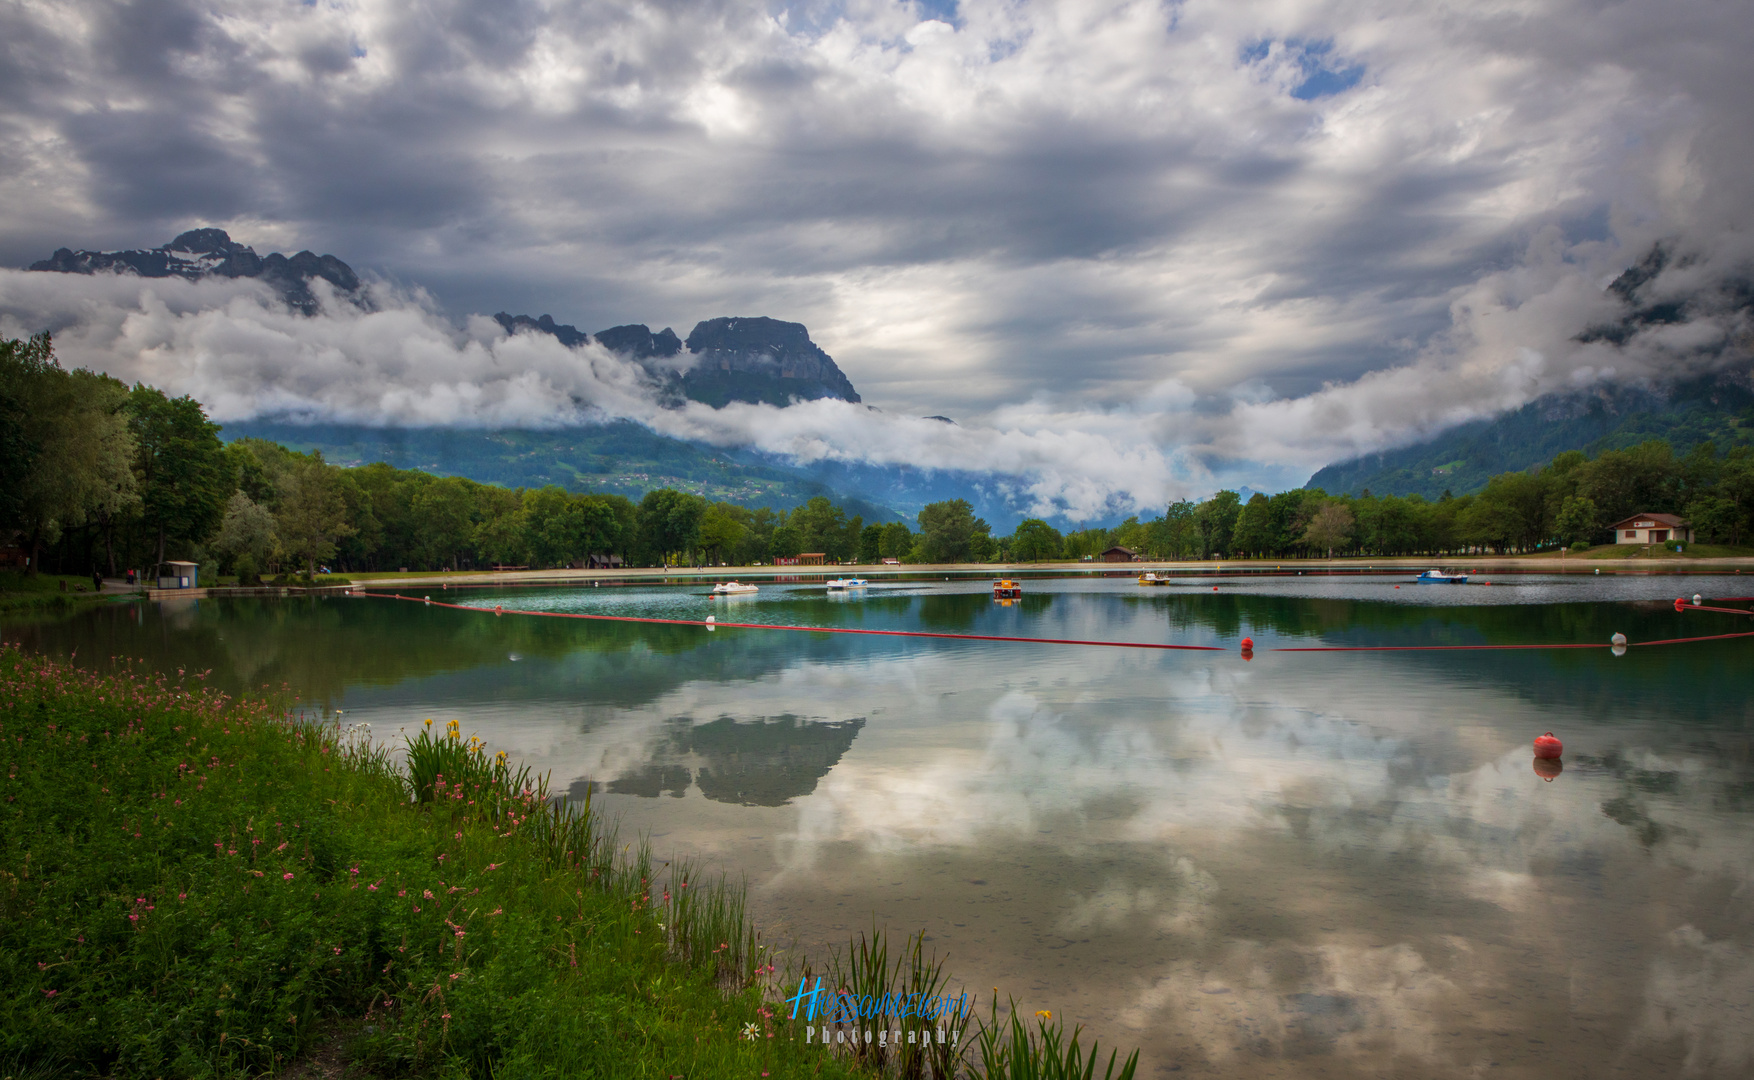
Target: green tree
{"type": "Point", "coordinates": [669, 522]}
{"type": "Point", "coordinates": [786, 541]}
{"type": "Point", "coordinates": [499, 535]}
{"type": "Point", "coordinates": [1577, 520]}
{"type": "Point", "coordinates": [1330, 528]}
{"type": "Point", "coordinates": [181, 469]}
{"type": "Point", "coordinates": [313, 514]}
{"type": "Point", "coordinates": [67, 447]}
{"type": "Point", "coordinates": [1513, 510]}
{"type": "Point", "coordinates": [1645, 479]}
{"type": "Point", "coordinates": [246, 531]}
{"type": "Point", "coordinates": [1216, 521]}
{"type": "Point", "coordinates": [446, 510]}
{"type": "Point", "coordinates": [1035, 540]}
{"type": "Point", "coordinates": [721, 531]}
{"type": "Point", "coordinates": [870, 544]}
{"type": "Point", "coordinates": [1254, 527]}
{"type": "Point", "coordinates": [823, 526]}
{"type": "Point", "coordinates": [1175, 534]}
{"type": "Point", "coordinates": [898, 540]}
{"type": "Point", "coordinates": [948, 530]}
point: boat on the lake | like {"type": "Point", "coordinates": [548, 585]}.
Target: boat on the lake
{"type": "Point", "coordinates": [1006, 589]}
{"type": "Point", "coordinates": [1438, 577]}
{"type": "Point", "coordinates": [847, 583]}
{"type": "Point", "coordinates": [1150, 577]}
{"type": "Point", "coordinates": [728, 588]}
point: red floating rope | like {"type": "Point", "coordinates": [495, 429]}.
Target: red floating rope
{"type": "Point", "coordinates": [813, 629]}
{"type": "Point", "coordinates": [1063, 641]}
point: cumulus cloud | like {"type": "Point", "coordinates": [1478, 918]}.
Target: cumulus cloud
{"type": "Point", "coordinates": [1337, 224]}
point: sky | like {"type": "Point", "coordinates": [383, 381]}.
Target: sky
{"type": "Point", "coordinates": [1209, 243]}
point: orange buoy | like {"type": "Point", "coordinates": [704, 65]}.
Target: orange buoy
{"type": "Point", "coordinates": [1548, 768]}
{"type": "Point", "coordinates": [1546, 746]}
{"type": "Point", "coordinates": [1248, 643]}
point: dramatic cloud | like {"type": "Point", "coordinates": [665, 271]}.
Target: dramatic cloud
{"type": "Point", "coordinates": [1336, 224]}
{"type": "Point", "coordinates": [401, 364]}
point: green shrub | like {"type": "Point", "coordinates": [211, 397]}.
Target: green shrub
{"type": "Point", "coordinates": [1580, 545]}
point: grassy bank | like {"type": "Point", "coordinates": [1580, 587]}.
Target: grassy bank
{"type": "Point", "coordinates": [24, 594]}
{"type": "Point", "coordinates": [192, 885]}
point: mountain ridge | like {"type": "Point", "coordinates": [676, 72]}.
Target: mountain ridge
{"type": "Point", "coordinates": [208, 252]}
{"type": "Point", "coordinates": [1717, 408]}
{"type": "Point", "coordinates": [752, 359]}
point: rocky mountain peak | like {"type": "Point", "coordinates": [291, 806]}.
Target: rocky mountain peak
{"type": "Point", "coordinates": [209, 252]}
{"type": "Point", "coordinates": [761, 359]}
{"type": "Point", "coordinates": [638, 341]}
{"type": "Point", "coordinates": [754, 360]}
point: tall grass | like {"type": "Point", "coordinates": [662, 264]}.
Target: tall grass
{"type": "Point", "coordinates": [1014, 1050]}
{"type": "Point", "coordinates": [196, 886]}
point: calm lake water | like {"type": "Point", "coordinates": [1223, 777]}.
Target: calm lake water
{"type": "Point", "coordinates": [1310, 864]}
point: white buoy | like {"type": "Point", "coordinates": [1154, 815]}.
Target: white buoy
{"type": "Point", "coordinates": [709, 623]}
{"type": "Point", "coordinates": [1618, 650]}
{"type": "Point", "coordinates": [1696, 599]}
{"type": "Point", "coordinates": [1617, 639]}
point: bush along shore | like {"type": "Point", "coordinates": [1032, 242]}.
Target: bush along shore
{"type": "Point", "coordinates": [196, 885]}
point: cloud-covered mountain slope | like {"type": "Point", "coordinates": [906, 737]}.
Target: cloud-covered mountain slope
{"type": "Point", "coordinates": [753, 360]}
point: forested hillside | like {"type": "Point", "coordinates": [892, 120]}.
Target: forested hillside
{"type": "Point", "coordinates": [1718, 409]}
{"type": "Point", "coordinates": [618, 457]}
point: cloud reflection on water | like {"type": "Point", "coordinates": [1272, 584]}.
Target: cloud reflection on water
{"type": "Point", "coordinates": [1337, 862]}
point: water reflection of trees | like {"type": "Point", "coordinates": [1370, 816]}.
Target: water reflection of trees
{"type": "Point", "coordinates": [326, 648]}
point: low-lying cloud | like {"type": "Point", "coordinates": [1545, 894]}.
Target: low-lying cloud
{"type": "Point", "coordinates": [402, 362]}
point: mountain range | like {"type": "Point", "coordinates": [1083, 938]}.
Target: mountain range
{"type": "Point", "coordinates": [203, 253]}
{"type": "Point", "coordinates": [764, 360]}
{"type": "Point", "coordinates": [1686, 411]}
{"type": "Point", "coordinates": [1718, 408]}
{"type": "Point", "coordinates": [757, 360]}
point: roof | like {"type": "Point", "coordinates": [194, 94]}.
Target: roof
{"type": "Point", "coordinates": [1661, 519]}
{"type": "Point", "coordinates": [174, 562]}
{"type": "Point", "coordinates": [1118, 547]}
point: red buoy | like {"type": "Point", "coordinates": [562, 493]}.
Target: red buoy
{"type": "Point", "coordinates": [1546, 746]}
{"type": "Point", "coordinates": [1548, 768]}
{"type": "Point", "coordinates": [1680, 604]}
{"type": "Point", "coordinates": [1248, 643]}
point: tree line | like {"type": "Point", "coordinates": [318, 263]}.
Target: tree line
{"type": "Point", "coordinates": [98, 475]}
{"type": "Point", "coordinates": [1572, 501]}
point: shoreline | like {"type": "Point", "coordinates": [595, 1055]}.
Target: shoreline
{"type": "Point", "coordinates": [1190, 568]}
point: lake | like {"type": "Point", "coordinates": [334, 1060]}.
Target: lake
{"type": "Point", "coordinates": [1305, 864]}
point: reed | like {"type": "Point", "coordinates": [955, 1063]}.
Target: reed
{"type": "Point", "coordinates": [1014, 1050]}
